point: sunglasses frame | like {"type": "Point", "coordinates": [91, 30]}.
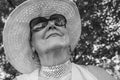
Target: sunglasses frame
{"type": "Point", "coordinates": [57, 18]}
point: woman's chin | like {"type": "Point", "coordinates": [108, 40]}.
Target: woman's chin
{"type": "Point", "coordinates": [56, 42]}
{"type": "Point", "coordinates": [52, 43]}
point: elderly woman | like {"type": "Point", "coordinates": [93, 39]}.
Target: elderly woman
{"type": "Point", "coordinates": [38, 38]}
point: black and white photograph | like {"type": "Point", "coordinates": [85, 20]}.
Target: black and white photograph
{"type": "Point", "coordinates": [59, 39]}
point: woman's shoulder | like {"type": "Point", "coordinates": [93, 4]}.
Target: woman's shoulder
{"type": "Point", "coordinates": [30, 76]}
{"type": "Point", "coordinates": [99, 73]}
{"type": "Point", "coordinates": [22, 77]}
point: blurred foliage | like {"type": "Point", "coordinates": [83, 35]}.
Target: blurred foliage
{"type": "Point", "coordinates": [99, 43]}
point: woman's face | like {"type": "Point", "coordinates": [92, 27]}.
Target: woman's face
{"type": "Point", "coordinates": [49, 34]}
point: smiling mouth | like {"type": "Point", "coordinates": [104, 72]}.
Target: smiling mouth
{"type": "Point", "coordinates": [53, 35]}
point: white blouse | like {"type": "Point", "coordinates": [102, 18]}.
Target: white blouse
{"type": "Point", "coordinates": [78, 73]}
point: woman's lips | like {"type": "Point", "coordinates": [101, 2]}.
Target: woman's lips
{"type": "Point", "coordinates": [53, 35]}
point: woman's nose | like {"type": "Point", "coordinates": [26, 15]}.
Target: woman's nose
{"type": "Point", "coordinates": [51, 25]}
{"type": "Point", "coordinates": [51, 22]}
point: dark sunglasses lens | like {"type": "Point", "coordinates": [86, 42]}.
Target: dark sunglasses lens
{"type": "Point", "coordinates": [36, 21]}
{"type": "Point", "coordinates": [60, 22]}
{"type": "Point", "coordinates": [59, 19]}
{"type": "Point", "coordinates": [40, 26]}
{"type": "Point", "coordinates": [39, 20]}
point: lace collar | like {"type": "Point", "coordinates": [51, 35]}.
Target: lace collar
{"type": "Point", "coordinates": [56, 72]}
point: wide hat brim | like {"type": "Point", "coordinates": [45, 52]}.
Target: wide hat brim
{"type": "Point", "coordinates": [16, 31]}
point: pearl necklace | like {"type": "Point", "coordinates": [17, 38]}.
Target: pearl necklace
{"type": "Point", "coordinates": [58, 72]}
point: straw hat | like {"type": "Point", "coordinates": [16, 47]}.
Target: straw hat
{"type": "Point", "coordinates": [16, 30]}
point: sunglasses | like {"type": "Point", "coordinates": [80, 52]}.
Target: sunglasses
{"type": "Point", "coordinates": [58, 19]}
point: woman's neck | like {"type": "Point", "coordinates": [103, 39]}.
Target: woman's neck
{"type": "Point", "coordinates": [54, 57]}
